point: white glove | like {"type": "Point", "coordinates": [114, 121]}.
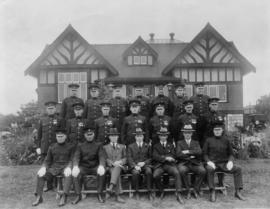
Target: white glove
{"type": "Point", "coordinates": [138, 168]}
{"type": "Point", "coordinates": [75, 171]}
{"type": "Point", "coordinates": [41, 172]}
{"type": "Point", "coordinates": [141, 164]}
{"type": "Point", "coordinates": [38, 150]}
{"type": "Point", "coordinates": [229, 165]}
{"type": "Point", "coordinates": [67, 171]}
{"type": "Point", "coordinates": [211, 164]}
{"type": "Point", "coordinates": [101, 170]}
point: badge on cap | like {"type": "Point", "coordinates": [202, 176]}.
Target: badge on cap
{"type": "Point", "coordinates": [80, 124]}
{"type": "Point", "coordinates": [193, 121]}
{"type": "Point", "coordinates": [54, 121]}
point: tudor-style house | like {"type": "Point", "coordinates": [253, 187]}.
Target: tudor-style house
{"type": "Point", "coordinates": [209, 57]}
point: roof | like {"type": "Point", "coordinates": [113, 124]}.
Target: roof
{"type": "Point", "coordinates": [166, 53]}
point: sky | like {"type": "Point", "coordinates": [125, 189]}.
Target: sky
{"type": "Point", "coordinates": [26, 26]}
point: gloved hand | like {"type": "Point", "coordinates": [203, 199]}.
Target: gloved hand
{"type": "Point", "coordinates": [138, 168]}
{"type": "Point", "coordinates": [229, 165]}
{"type": "Point", "coordinates": [101, 170]}
{"type": "Point", "coordinates": [67, 171]}
{"type": "Point", "coordinates": [41, 172]}
{"type": "Point", "coordinates": [75, 171]}
{"type": "Point", "coordinates": [141, 164]}
{"type": "Point", "coordinates": [211, 164]}
{"type": "Point", "coordinates": [38, 150]}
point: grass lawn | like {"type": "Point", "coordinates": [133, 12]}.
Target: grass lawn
{"type": "Point", "coordinates": [17, 185]}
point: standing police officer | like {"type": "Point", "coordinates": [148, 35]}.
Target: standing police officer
{"type": "Point", "coordinates": [66, 108]}
{"type": "Point", "coordinates": [178, 100]}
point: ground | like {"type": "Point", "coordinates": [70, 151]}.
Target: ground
{"type": "Point", "coordinates": [17, 184]}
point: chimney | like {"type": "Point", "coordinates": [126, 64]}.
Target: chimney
{"type": "Point", "coordinates": [151, 36]}
{"type": "Point", "coordinates": [172, 36]}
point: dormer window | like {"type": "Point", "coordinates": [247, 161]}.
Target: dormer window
{"type": "Point", "coordinates": [140, 53]}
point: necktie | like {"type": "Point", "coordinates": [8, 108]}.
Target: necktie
{"type": "Point", "coordinates": [164, 146]}
{"type": "Point", "coordinates": [114, 145]}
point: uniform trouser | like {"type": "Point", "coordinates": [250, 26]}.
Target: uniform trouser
{"type": "Point", "coordinates": [199, 171]}
{"type": "Point", "coordinates": [136, 177]}
{"type": "Point", "coordinates": [48, 177]}
{"type": "Point", "coordinates": [50, 180]}
{"type": "Point", "coordinates": [236, 171]}
{"type": "Point", "coordinates": [171, 170]}
{"type": "Point", "coordinates": [115, 178]}
{"type": "Point", "coordinates": [88, 171]}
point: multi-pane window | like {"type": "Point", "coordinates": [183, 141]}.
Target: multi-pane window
{"type": "Point", "coordinates": [42, 76]}
{"type": "Point", "coordinates": [64, 79]}
{"type": "Point", "coordinates": [188, 90]}
{"type": "Point", "coordinates": [219, 91]}
{"type": "Point", "coordinates": [140, 60]}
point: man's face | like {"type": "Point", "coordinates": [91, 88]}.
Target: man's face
{"type": "Point", "coordinates": [61, 138]}
{"type": "Point", "coordinates": [160, 90]}
{"type": "Point", "coordinates": [160, 111]}
{"type": "Point", "coordinates": [50, 110]}
{"type": "Point", "coordinates": [113, 138]}
{"type": "Point", "coordinates": [78, 112]}
{"type": "Point", "coordinates": [189, 108]}
{"type": "Point", "coordinates": [89, 136]}
{"type": "Point", "coordinates": [187, 135]}
{"type": "Point", "coordinates": [94, 92]}
{"type": "Point", "coordinates": [105, 110]}
{"type": "Point", "coordinates": [218, 131]}
{"type": "Point", "coordinates": [163, 137]}
{"type": "Point", "coordinates": [134, 109]}
{"type": "Point", "coordinates": [213, 106]}
{"type": "Point", "coordinates": [200, 90]}
{"type": "Point", "coordinates": [73, 91]}
{"type": "Point", "coordinates": [139, 138]}
{"type": "Point", "coordinates": [179, 92]}
{"type": "Point", "coordinates": [139, 92]}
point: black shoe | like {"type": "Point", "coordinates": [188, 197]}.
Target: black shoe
{"type": "Point", "coordinates": [213, 196]}
{"type": "Point", "coordinates": [100, 198]}
{"type": "Point", "coordinates": [150, 196]}
{"type": "Point", "coordinates": [195, 194]}
{"type": "Point", "coordinates": [110, 189]}
{"type": "Point", "coordinates": [179, 198]}
{"type": "Point", "coordinates": [77, 199]}
{"type": "Point", "coordinates": [47, 189]}
{"type": "Point", "coordinates": [63, 200]}
{"type": "Point", "coordinates": [189, 195]}
{"type": "Point", "coordinates": [239, 195]}
{"type": "Point", "coordinates": [38, 200]}
{"type": "Point", "coordinates": [119, 199]}
{"type": "Point", "coordinates": [161, 196]}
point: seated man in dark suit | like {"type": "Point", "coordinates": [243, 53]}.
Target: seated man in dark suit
{"type": "Point", "coordinates": [218, 154]}
{"type": "Point", "coordinates": [139, 160]}
{"type": "Point", "coordinates": [164, 161]}
{"type": "Point", "coordinates": [188, 154]}
{"type": "Point", "coordinates": [58, 161]}
{"type": "Point", "coordinates": [89, 158]}
{"type": "Point", "coordinates": [115, 159]}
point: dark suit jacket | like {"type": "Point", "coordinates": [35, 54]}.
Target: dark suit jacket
{"type": "Point", "coordinates": [194, 157]}
{"type": "Point", "coordinates": [160, 153]}
{"type": "Point", "coordinates": [136, 155]}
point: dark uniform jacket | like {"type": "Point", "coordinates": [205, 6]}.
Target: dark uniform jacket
{"type": "Point", "coordinates": [208, 121]}
{"type": "Point", "coordinates": [155, 123]}
{"type": "Point", "coordinates": [102, 127]}
{"type": "Point", "coordinates": [160, 153]}
{"type": "Point", "coordinates": [118, 108]}
{"type": "Point", "coordinates": [115, 154]}
{"type": "Point", "coordinates": [46, 131]}
{"type": "Point", "coordinates": [67, 111]}
{"type": "Point", "coordinates": [187, 119]}
{"type": "Point", "coordinates": [217, 150]}
{"type": "Point", "coordinates": [92, 109]}
{"type": "Point", "coordinates": [145, 106]}
{"type": "Point", "coordinates": [200, 104]}
{"type": "Point", "coordinates": [58, 158]}
{"type": "Point", "coordinates": [129, 126]}
{"type": "Point", "coordinates": [194, 156]}
{"type": "Point", "coordinates": [136, 154]}
{"type": "Point", "coordinates": [179, 108]}
{"type": "Point", "coordinates": [169, 107]}
{"type": "Point", "coordinates": [75, 131]}
{"type": "Point", "coordinates": [89, 155]}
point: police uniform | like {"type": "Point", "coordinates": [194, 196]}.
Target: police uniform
{"type": "Point", "coordinates": [46, 130]}
{"type": "Point", "coordinates": [145, 106]}
{"type": "Point", "coordinates": [169, 107]}
{"type": "Point", "coordinates": [130, 124]}
{"type": "Point", "coordinates": [158, 121]}
{"type": "Point", "coordinates": [88, 156]}
{"type": "Point", "coordinates": [178, 104]}
{"type": "Point", "coordinates": [92, 109]}
{"type": "Point", "coordinates": [66, 111]}
{"type": "Point", "coordinates": [118, 108]}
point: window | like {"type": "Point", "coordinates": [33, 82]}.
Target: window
{"type": "Point", "coordinates": [206, 75]}
{"type": "Point", "coordinates": [64, 79]}
{"type": "Point", "coordinates": [184, 74]}
{"type": "Point", "coordinates": [143, 60]}
{"type": "Point", "coordinates": [222, 76]}
{"type": "Point", "coordinates": [51, 77]}
{"type": "Point", "coordinates": [214, 74]}
{"type": "Point", "coordinates": [219, 91]}
{"type": "Point", "coordinates": [42, 76]}
{"type": "Point", "coordinates": [94, 75]}
{"type": "Point", "coordinates": [136, 60]}
{"type": "Point", "coordinates": [237, 75]}
{"type": "Point", "coordinates": [192, 75]}
{"type": "Point", "coordinates": [189, 90]}
{"type": "Point", "coordinates": [199, 75]}
{"type": "Point", "coordinates": [229, 75]}
{"type": "Point", "coordinates": [177, 73]}
{"type": "Point", "coordinates": [140, 60]}
{"type": "Point", "coordinates": [234, 119]}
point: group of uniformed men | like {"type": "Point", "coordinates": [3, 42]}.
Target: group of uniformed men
{"type": "Point", "coordinates": [139, 136]}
